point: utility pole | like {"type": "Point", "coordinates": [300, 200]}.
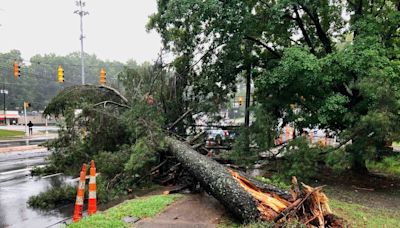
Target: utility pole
{"type": "Point", "coordinates": [81, 13]}
{"type": "Point", "coordinates": [26, 123]}
{"type": "Point", "coordinates": [4, 92]}
{"type": "Point", "coordinates": [247, 104]}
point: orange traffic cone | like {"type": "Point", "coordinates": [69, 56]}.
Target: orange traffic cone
{"type": "Point", "coordinates": [80, 195]}
{"type": "Point", "coordinates": [92, 190]}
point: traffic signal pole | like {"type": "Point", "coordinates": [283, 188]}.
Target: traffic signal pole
{"type": "Point", "coordinates": [26, 123]}
{"type": "Point", "coordinates": [4, 99]}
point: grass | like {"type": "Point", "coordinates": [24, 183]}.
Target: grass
{"type": "Point", "coordinates": [389, 165]}
{"type": "Point", "coordinates": [360, 216]}
{"type": "Point", "coordinates": [396, 144]}
{"type": "Point", "coordinates": [140, 208]}
{"type": "Point", "coordinates": [4, 134]}
{"type": "Point", "coordinates": [356, 216]}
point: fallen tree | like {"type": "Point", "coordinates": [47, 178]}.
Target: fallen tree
{"type": "Point", "coordinates": [248, 201]}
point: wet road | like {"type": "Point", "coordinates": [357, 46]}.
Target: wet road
{"type": "Point", "coordinates": [16, 186]}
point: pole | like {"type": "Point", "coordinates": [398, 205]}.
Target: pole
{"type": "Point", "coordinates": [4, 99]}
{"type": "Point", "coordinates": [26, 132]}
{"type": "Point", "coordinates": [82, 60]}
{"type": "Point", "coordinates": [46, 126]}
{"type": "Point", "coordinates": [5, 115]}
{"type": "Point", "coordinates": [248, 91]}
{"type": "Point", "coordinates": [81, 13]}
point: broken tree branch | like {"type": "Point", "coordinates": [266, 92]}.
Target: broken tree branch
{"type": "Point", "coordinates": [179, 119]}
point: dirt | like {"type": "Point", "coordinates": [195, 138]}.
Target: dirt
{"type": "Point", "coordinates": [370, 190]}
{"type": "Point", "coordinates": [194, 210]}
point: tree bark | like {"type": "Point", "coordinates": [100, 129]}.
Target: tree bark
{"type": "Point", "coordinates": [357, 148]}
{"type": "Point", "coordinates": [359, 166]}
{"type": "Point", "coordinates": [216, 180]}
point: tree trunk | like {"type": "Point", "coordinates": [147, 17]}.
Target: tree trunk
{"type": "Point", "coordinates": [250, 200]}
{"type": "Point", "coordinates": [358, 166]}
{"type": "Point", "coordinates": [216, 180]}
{"type": "Point", "coordinates": [357, 149]}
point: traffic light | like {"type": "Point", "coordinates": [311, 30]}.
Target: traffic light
{"type": "Point", "coordinates": [60, 74]}
{"type": "Point", "coordinates": [241, 100]}
{"type": "Point", "coordinates": [102, 76]}
{"type": "Point", "coordinates": [17, 70]}
{"type": "Point", "coordinates": [27, 104]}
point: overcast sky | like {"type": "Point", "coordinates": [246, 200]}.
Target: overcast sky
{"type": "Point", "coordinates": [114, 29]}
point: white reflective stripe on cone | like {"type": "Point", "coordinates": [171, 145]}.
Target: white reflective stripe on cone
{"type": "Point", "coordinates": [81, 185]}
{"type": "Point", "coordinates": [79, 201]}
{"type": "Point", "coordinates": [92, 180]}
{"type": "Point", "coordinates": [92, 195]}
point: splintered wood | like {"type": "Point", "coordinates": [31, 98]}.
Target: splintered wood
{"type": "Point", "coordinates": [270, 205]}
{"type": "Point", "coordinates": [309, 204]}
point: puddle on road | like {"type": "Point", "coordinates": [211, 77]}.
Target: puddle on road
{"type": "Point", "coordinates": [14, 211]}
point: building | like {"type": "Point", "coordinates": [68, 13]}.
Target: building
{"type": "Point", "coordinates": [37, 119]}
{"type": "Point", "coordinates": [10, 118]}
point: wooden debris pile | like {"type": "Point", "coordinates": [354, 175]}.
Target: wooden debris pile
{"type": "Point", "coordinates": [309, 205]}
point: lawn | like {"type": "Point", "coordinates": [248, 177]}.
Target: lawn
{"type": "Point", "coordinates": [10, 134]}
{"type": "Point", "coordinates": [360, 216]}
{"type": "Point", "coordinates": [356, 216]}
{"type": "Point", "coordinates": [140, 208]}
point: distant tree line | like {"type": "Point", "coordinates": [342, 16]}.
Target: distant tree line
{"type": "Point", "coordinates": [38, 82]}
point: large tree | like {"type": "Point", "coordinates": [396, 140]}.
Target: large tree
{"type": "Point", "coordinates": [327, 64]}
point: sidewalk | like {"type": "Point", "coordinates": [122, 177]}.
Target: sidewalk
{"type": "Point", "coordinates": [194, 210]}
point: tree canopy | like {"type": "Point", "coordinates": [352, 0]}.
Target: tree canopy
{"type": "Point", "coordinates": [327, 64]}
